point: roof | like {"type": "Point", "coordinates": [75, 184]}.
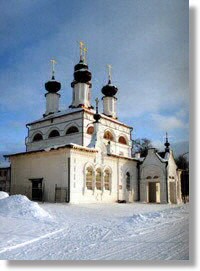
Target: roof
{"type": "Point", "coordinates": [75, 110]}
{"type": "Point", "coordinates": [57, 115]}
{"type": "Point", "coordinates": [124, 157]}
{"type": "Point", "coordinates": [68, 146]}
{"type": "Point", "coordinates": [161, 154]}
{"type": "Point", "coordinates": [161, 159]}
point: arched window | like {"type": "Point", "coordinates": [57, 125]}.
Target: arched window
{"type": "Point", "coordinates": [54, 133]}
{"type": "Point", "coordinates": [37, 137]}
{"type": "Point", "coordinates": [90, 130]}
{"type": "Point", "coordinates": [107, 180]}
{"type": "Point", "coordinates": [128, 181]}
{"type": "Point", "coordinates": [108, 136]}
{"type": "Point", "coordinates": [155, 177]}
{"type": "Point", "coordinates": [148, 177]}
{"type": "Point", "coordinates": [98, 179]}
{"type": "Point", "coordinates": [72, 130]}
{"type": "Point", "coordinates": [122, 140]}
{"type": "Point", "coordinates": [89, 178]}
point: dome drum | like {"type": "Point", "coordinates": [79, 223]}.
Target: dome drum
{"type": "Point", "coordinates": [73, 83]}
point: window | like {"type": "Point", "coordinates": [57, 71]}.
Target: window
{"type": "Point", "coordinates": [5, 173]}
{"type": "Point", "coordinates": [128, 181]}
{"type": "Point", "coordinates": [122, 140]}
{"type": "Point", "coordinates": [155, 177]}
{"type": "Point", "coordinates": [148, 177]}
{"type": "Point", "coordinates": [108, 136]}
{"type": "Point", "coordinates": [37, 137]}
{"type": "Point", "coordinates": [98, 179]}
{"type": "Point", "coordinates": [90, 130]}
{"type": "Point", "coordinates": [72, 130]}
{"type": "Point", "coordinates": [54, 133]}
{"type": "Point", "coordinates": [89, 178]}
{"type": "Point", "coordinates": [107, 180]}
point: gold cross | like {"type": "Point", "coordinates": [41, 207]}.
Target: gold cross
{"type": "Point", "coordinates": [53, 66]}
{"type": "Point", "coordinates": [81, 45]}
{"type": "Point", "coordinates": [109, 72]}
{"type": "Point", "coordinates": [85, 53]}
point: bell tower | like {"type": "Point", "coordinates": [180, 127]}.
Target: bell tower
{"type": "Point", "coordinates": [52, 97]}
{"type": "Point", "coordinates": [109, 99]}
{"type": "Point", "coordinates": [82, 82]}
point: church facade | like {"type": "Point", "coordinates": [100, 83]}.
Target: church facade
{"type": "Point", "coordinates": [80, 155]}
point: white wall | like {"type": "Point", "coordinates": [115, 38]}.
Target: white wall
{"type": "Point", "coordinates": [51, 166]}
{"type": "Point", "coordinates": [118, 168]}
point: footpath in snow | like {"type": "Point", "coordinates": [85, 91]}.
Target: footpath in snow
{"type": "Point", "coordinates": [32, 231]}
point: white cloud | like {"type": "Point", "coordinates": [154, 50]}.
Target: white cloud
{"type": "Point", "coordinates": [168, 123]}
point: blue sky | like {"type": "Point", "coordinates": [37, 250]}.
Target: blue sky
{"type": "Point", "coordinates": [145, 41]}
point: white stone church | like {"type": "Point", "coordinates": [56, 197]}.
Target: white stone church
{"type": "Point", "coordinates": [82, 156]}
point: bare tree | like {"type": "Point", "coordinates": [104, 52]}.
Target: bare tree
{"type": "Point", "coordinates": [142, 145]}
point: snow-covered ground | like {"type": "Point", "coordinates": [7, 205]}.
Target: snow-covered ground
{"type": "Point", "coordinates": [137, 231]}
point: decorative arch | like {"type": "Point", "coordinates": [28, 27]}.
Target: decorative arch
{"type": "Point", "coordinates": [54, 133]}
{"type": "Point", "coordinates": [108, 135]}
{"type": "Point", "coordinates": [122, 140]}
{"type": "Point", "coordinates": [90, 130]}
{"type": "Point", "coordinates": [88, 164]}
{"type": "Point", "coordinates": [72, 130]}
{"type": "Point", "coordinates": [37, 137]}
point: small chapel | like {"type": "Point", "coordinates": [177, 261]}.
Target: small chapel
{"type": "Point", "coordinates": [81, 155]}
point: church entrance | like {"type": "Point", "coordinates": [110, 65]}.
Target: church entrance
{"type": "Point", "coordinates": [37, 189]}
{"type": "Point", "coordinates": [154, 192]}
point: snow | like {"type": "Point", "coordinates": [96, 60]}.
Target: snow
{"type": "Point", "coordinates": [3, 195]}
{"type": "Point", "coordinates": [58, 114]}
{"type": "Point", "coordinates": [95, 232]}
{"type": "Point", "coordinates": [18, 206]}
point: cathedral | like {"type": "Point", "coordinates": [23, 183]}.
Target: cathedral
{"type": "Point", "coordinates": [80, 155]}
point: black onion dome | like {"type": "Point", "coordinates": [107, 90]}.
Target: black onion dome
{"type": "Point", "coordinates": [109, 89]}
{"type": "Point", "coordinates": [97, 117]}
{"type": "Point", "coordinates": [167, 144]}
{"type": "Point", "coordinates": [82, 76]}
{"type": "Point", "coordinates": [81, 73]}
{"type": "Point", "coordinates": [53, 86]}
{"type": "Point", "coordinates": [80, 65]}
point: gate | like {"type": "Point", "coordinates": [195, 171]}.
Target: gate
{"type": "Point", "coordinates": [61, 194]}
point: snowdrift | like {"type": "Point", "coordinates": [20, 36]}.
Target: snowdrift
{"type": "Point", "coordinates": [3, 195]}
{"type": "Point", "coordinates": [18, 206]}
{"type": "Point", "coordinates": [143, 218]}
